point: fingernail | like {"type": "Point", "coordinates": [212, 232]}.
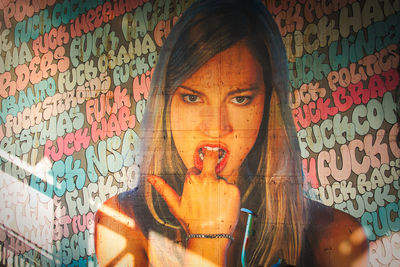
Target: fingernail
{"type": "Point", "coordinates": [151, 180]}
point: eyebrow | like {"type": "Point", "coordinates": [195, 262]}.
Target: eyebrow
{"type": "Point", "coordinates": [236, 91]}
{"type": "Point", "coordinates": [191, 89]}
{"type": "Point", "coordinates": [242, 90]}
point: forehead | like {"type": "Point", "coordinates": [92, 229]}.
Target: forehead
{"type": "Point", "coordinates": [233, 68]}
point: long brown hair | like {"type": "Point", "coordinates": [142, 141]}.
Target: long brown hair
{"type": "Point", "coordinates": [272, 168]}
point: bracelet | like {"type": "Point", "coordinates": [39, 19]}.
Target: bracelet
{"type": "Point", "coordinates": [210, 236]}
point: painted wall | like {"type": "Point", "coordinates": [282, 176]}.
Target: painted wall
{"type": "Point", "coordinates": [344, 62]}
{"type": "Point", "coordinates": [74, 80]}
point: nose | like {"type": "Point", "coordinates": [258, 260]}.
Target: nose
{"type": "Point", "coordinates": [216, 122]}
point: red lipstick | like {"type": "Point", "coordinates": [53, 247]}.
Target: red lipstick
{"type": "Point", "coordinates": [200, 152]}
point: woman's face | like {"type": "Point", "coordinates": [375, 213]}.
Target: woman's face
{"type": "Point", "coordinates": [220, 107]}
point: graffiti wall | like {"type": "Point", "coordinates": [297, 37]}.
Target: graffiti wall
{"type": "Point", "coordinates": [74, 83]}
{"type": "Point", "coordinates": [344, 62]}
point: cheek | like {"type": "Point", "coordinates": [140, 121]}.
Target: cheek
{"type": "Point", "coordinates": [183, 118]}
{"type": "Point", "coordinates": [247, 121]}
{"type": "Point", "coordinates": [257, 114]}
{"type": "Point", "coordinates": [246, 129]}
{"type": "Point", "coordinates": [181, 123]}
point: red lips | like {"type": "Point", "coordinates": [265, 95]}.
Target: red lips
{"type": "Point", "coordinates": [200, 151]}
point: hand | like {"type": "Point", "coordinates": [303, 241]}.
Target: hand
{"type": "Point", "coordinates": [208, 205]}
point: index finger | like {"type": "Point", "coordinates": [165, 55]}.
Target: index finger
{"type": "Point", "coordinates": [167, 192]}
{"type": "Point", "coordinates": [210, 162]}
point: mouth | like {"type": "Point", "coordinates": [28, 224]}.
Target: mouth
{"type": "Point", "coordinates": [222, 156]}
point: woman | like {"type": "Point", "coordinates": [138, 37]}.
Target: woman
{"type": "Point", "coordinates": [217, 136]}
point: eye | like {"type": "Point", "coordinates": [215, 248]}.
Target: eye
{"type": "Point", "coordinates": [189, 98]}
{"type": "Point", "coordinates": [241, 100]}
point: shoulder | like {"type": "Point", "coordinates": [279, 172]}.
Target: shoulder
{"type": "Point", "coordinates": [117, 234]}
{"type": "Point", "coordinates": [337, 238]}
{"type": "Point", "coordinates": [113, 211]}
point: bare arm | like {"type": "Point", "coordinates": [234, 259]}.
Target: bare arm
{"type": "Point", "coordinates": [341, 242]}
{"type": "Point", "coordinates": [118, 240]}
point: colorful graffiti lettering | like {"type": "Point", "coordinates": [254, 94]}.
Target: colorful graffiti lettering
{"type": "Point", "coordinates": [75, 82]}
